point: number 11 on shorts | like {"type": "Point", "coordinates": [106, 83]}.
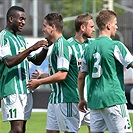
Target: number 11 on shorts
{"type": "Point", "coordinates": [12, 113]}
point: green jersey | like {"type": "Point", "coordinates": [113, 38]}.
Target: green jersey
{"type": "Point", "coordinates": [62, 59]}
{"type": "Point", "coordinates": [104, 60]}
{"type": "Point", "coordinates": [12, 80]}
{"type": "Point", "coordinates": [79, 48]}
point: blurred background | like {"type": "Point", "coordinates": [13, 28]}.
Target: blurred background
{"type": "Point", "coordinates": [37, 9]}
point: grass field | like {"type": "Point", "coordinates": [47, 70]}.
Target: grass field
{"type": "Point", "coordinates": [37, 124]}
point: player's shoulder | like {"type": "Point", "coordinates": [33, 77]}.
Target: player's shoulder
{"type": "Point", "coordinates": [22, 38]}
{"type": "Point", "coordinates": [117, 42]}
{"type": "Point", "coordinates": [62, 41]}
{"type": "Point", "coordinates": [90, 39]}
{"type": "Point", "coordinates": [4, 33]}
{"type": "Point", "coordinates": [70, 40]}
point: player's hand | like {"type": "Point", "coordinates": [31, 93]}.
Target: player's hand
{"type": "Point", "coordinates": [82, 106]}
{"type": "Point", "coordinates": [32, 84]}
{"type": "Point", "coordinates": [39, 44]}
{"type": "Point", "coordinates": [37, 74]}
{"type": "Point", "coordinates": [49, 43]}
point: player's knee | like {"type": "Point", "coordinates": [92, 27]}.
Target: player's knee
{"type": "Point", "coordinates": [18, 129]}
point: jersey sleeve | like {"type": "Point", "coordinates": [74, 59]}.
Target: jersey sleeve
{"type": "Point", "coordinates": [63, 55]}
{"type": "Point", "coordinates": [123, 55]}
{"type": "Point", "coordinates": [5, 49]}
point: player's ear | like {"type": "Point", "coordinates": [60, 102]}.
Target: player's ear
{"type": "Point", "coordinates": [53, 27]}
{"type": "Point", "coordinates": [11, 19]}
{"type": "Point", "coordinates": [82, 27]}
{"type": "Point", "coordinates": [108, 26]}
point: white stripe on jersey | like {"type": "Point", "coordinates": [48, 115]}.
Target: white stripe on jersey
{"type": "Point", "coordinates": [5, 49]}
{"type": "Point", "coordinates": [22, 44]}
{"type": "Point", "coordinates": [15, 85]}
{"type": "Point", "coordinates": [70, 52]}
{"type": "Point", "coordinates": [19, 66]}
{"type": "Point", "coordinates": [57, 93]}
{"type": "Point", "coordinates": [76, 52]}
{"type": "Point", "coordinates": [124, 61]}
{"type": "Point", "coordinates": [60, 45]}
{"type": "Point", "coordinates": [61, 94]}
{"type": "Point", "coordinates": [2, 34]}
{"type": "Point", "coordinates": [81, 49]}
{"type": "Point", "coordinates": [4, 52]}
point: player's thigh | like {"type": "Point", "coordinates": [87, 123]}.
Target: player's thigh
{"type": "Point", "coordinates": [117, 118]}
{"type": "Point", "coordinates": [68, 117]}
{"type": "Point", "coordinates": [97, 122]}
{"type": "Point", "coordinates": [52, 124]}
{"type": "Point", "coordinates": [16, 107]}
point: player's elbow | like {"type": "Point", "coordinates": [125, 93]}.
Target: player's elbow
{"type": "Point", "coordinates": [8, 64]}
{"type": "Point", "coordinates": [63, 75]}
{"type": "Point", "coordinates": [81, 76]}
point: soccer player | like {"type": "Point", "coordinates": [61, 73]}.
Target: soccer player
{"type": "Point", "coordinates": [84, 27]}
{"type": "Point", "coordinates": [104, 60]}
{"type": "Point", "coordinates": [16, 103]}
{"type": "Point", "coordinates": [63, 114]}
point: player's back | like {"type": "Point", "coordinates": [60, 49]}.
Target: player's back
{"type": "Point", "coordinates": [106, 74]}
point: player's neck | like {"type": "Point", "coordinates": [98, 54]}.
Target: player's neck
{"type": "Point", "coordinates": [56, 37]}
{"type": "Point", "coordinates": [11, 30]}
{"type": "Point", "coordinates": [104, 33]}
{"type": "Point", "coordinates": [79, 38]}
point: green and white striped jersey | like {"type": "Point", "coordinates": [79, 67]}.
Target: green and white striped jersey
{"type": "Point", "coordinates": [12, 80]}
{"type": "Point", "coordinates": [62, 58]}
{"type": "Point", "coordinates": [104, 60]}
{"type": "Point", "coordinates": [79, 48]}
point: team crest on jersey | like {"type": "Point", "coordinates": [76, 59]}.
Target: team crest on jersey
{"type": "Point", "coordinates": [21, 50]}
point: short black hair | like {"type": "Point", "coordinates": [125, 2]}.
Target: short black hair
{"type": "Point", "coordinates": [12, 10]}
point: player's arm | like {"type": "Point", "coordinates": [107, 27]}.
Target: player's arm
{"type": "Point", "coordinates": [11, 61]}
{"type": "Point", "coordinates": [81, 78]}
{"type": "Point", "coordinates": [57, 77]}
{"type": "Point", "coordinates": [81, 85]}
{"type": "Point", "coordinates": [119, 53]}
{"type": "Point", "coordinates": [39, 58]}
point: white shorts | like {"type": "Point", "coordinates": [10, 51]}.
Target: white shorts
{"type": "Point", "coordinates": [63, 117]}
{"type": "Point", "coordinates": [84, 118]}
{"type": "Point", "coordinates": [16, 107]}
{"type": "Point", "coordinates": [114, 119]}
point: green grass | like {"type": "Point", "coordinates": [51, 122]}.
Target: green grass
{"type": "Point", "coordinates": [37, 124]}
